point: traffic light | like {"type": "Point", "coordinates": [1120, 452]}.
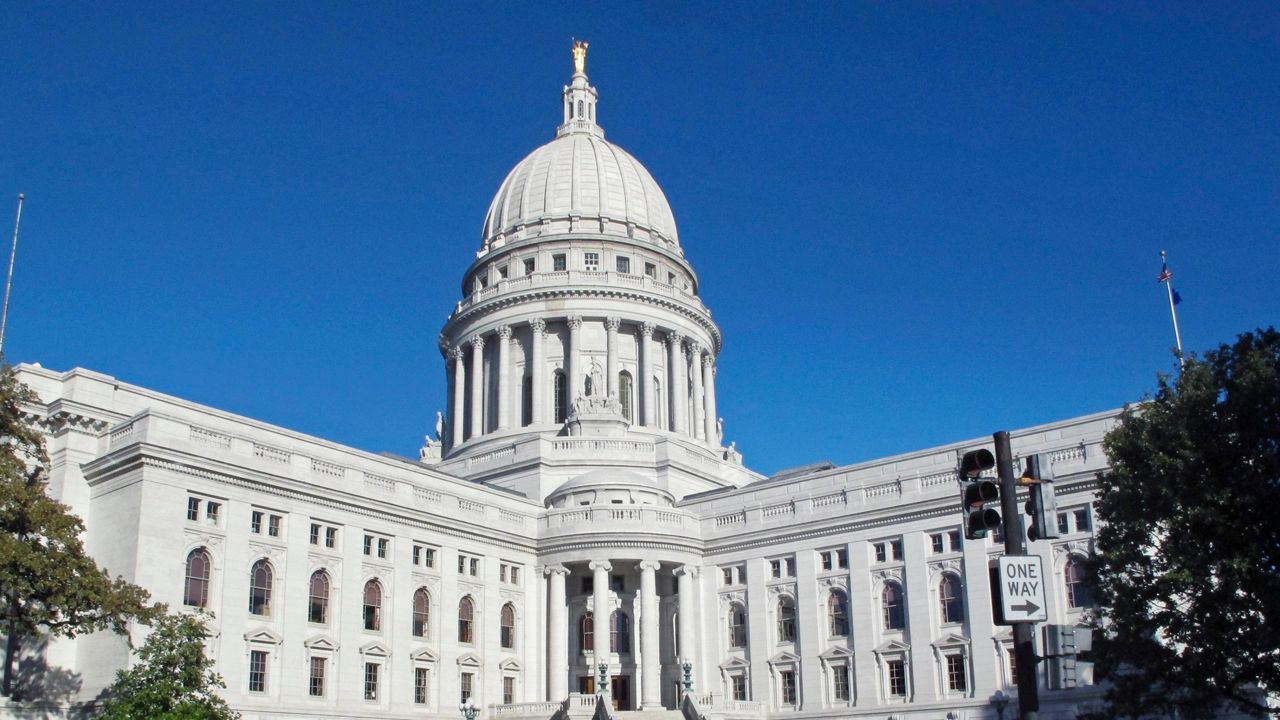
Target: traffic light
{"type": "Point", "coordinates": [976, 492]}
{"type": "Point", "coordinates": [1068, 650]}
{"type": "Point", "coordinates": [1042, 506]}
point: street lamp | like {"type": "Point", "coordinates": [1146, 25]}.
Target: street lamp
{"type": "Point", "coordinates": [687, 667]}
{"type": "Point", "coordinates": [468, 709]}
{"type": "Point", "coordinates": [602, 686]}
{"type": "Point", "coordinates": [1001, 701]}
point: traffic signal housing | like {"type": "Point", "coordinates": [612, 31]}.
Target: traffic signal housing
{"type": "Point", "coordinates": [976, 492]}
{"type": "Point", "coordinates": [1042, 504]}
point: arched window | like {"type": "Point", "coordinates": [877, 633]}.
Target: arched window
{"type": "Point", "coordinates": [586, 633]}
{"type": "Point", "coordinates": [1078, 595]}
{"type": "Point", "coordinates": [421, 612]}
{"type": "Point", "coordinates": [894, 612]}
{"type": "Point", "coordinates": [373, 605]}
{"type": "Point", "coordinates": [507, 631]}
{"type": "Point", "coordinates": [786, 619]}
{"type": "Point", "coordinates": [951, 598]}
{"type": "Point", "coordinates": [318, 598]}
{"type": "Point", "coordinates": [561, 397]}
{"type": "Point", "coordinates": [737, 626]}
{"type": "Point", "coordinates": [579, 108]}
{"type": "Point", "coordinates": [260, 579]}
{"type": "Point", "coordinates": [619, 632]}
{"type": "Point", "coordinates": [526, 401]}
{"type": "Point", "coordinates": [466, 620]}
{"type": "Point", "coordinates": [838, 613]}
{"type": "Point", "coordinates": [626, 395]}
{"type": "Point", "coordinates": [196, 592]}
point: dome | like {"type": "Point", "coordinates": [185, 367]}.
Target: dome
{"type": "Point", "coordinates": [609, 485]}
{"type": "Point", "coordinates": [579, 183]}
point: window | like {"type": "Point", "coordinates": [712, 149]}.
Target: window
{"type": "Point", "coordinates": [590, 261]}
{"type": "Point", "coordinates": [1064, 523]}
{"type": "Point", "coordinates": [882, 554]}
{"type": "Point", "coordinates": [315, 680]}
{"type": "Point", "coordinates": [368, 544]}
{"type": "Point", "coordinates": [888, 551]}
{"type": "Point", "coordinates": [618, 583]}
{"type": "Point", "coordinates": [530, 265]}
{"type": "Point", "coordinates": [373, 605]}
{"type": "Point", "coordinates": [619, 632]}
{"type": "Point", "coordinates": [840, 682]}
{"type": "Point", "coordinates": [526, 401]}
{"type": "Point", "coordinates": [193, 509]}
{"type": "Point", "coordinates": [508, 690]}
{"type": "Point", "coordinates": [466, 620]}
{"type": "Point", "coordinates": [727, 573]}
{"type": "Point", "coordinates": [260, 579]}
{"type": "Point", "coordinates": [384, 548]}
{"type": "Point", "coordinates": [466, 682]}
{"type": "Point", "coordinates": [273, 525]}
{"type": "Point", "coordinates": [377, 546]}
{"type": "Point", "coordinates": [474, 567]}
{"type": "Point", "coordinates": [951, 598]}
{"type": "Point", "coordinates": [502, 272]}
{"type": "Point", "coordinates": [421, 613]}
{"type": "Point", "coordinates": [834, 559]}
{"type": "Point", "coordinates": [788, 679]}
{"type": "Point", "coordinates": [196, 590]}
{"type": "Point", "coordinates": [371, 681]}
{"type": "Point", "coordinates": [739, 682]}
{"type": "Point", "coordinates": [671, 278]}
{"type": "Point", "coordinates": [783, 567]}
{"type": "Point", "coordinates": [330, 537]}
{"type": "Point", "coordinates": [786, 620]}
{"type": "Point", "coordinates": [588, 583]}
{"type": "Point", "coordinates": [421, 681]}
{"type": "Point", "coordinates": [838, 613]}
{"type": "Point", "coordinates": [258, 671]}
{"type": "Point", "coordinates": [623, 264]}
{"type": "Point", "coordinates": [507, 627]}
{"type": "Point", "coordinates": [651, 270]}
{"type": "Point", "coordinates": [424, 556]}
{"type": "Point", "coordinates": [559, 263]}
{"type": "Point", "coordinates": [561, 397]}
{"type": "Point", "coordinates": [1083, 523]}
{"type": "Point", "coordinates": [1013, 665]}
{"type": "Point", "coordinates": [468, 565]}
{"type": "Point", "coordinates": [938, 543]}
{"type": "Point", "coordinates": [626, 396]}
{"type": "Point", "coordinates": [737, 626]}
{"type": "Point", "coordinates": [211, 510]}
{"type": "Point", "coordinates": [894, 612]}
{"type": "Point", "coordinates": [255, 522]}
{"type": "Point", "coordinates": [957, 678]}
{"type": "Point", "coordinates": [1078, 595]}
{"type": "Point", "coordinates": [318, 605]}
{"type": "Point", "coordinates": [508, 573]}
{"type": "Point", "coordinates": [586, 633]}
{"type": "Point", "coordinates": [897, 678]}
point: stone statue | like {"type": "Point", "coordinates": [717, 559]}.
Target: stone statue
{"type": "Point", "coordinates": [431, 451]}
{"type": "Point", "coordinates": [439, 425]}
{"type": "Point", "coordinates": [579, 57]}
{"type": "Point", "coordinates": [720, 431]}
{"type": "Point", "coordinates": [595, 381]}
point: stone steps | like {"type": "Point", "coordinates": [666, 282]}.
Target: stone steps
{"type": "Point", "coordinates": [646, 715]}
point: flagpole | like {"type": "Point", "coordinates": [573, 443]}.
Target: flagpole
{"type": "Point", "coordinates": [1173, 312]}
{"type": "Point", "coordinates": [8, 285]}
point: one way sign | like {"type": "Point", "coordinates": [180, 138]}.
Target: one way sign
{"type": "Point", "coordinates": [1021, 588]}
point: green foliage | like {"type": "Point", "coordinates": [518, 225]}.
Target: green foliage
{"type": "Point", "coordinates": [1188, 570]}
{"type": "Point", "coordinates": [173, 678]}
{"type": "Point", "coordinates": [48, 584]}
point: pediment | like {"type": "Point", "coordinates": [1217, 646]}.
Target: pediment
{"type": "Point", "coordinates": [510, 665]}
{"type": "Point", "coordinates": [783, 658]}
{"type": "Point", "coordinates": [469, 660]}
{"type": "Point", "coordinates": [951, 640]}
{"type": "Point", "coordinates": [893, 646]}
{"type": "Point", "coordinates": [836, 653]}
{"type": "Point", "coordinates": [423, 655]}
{"type": "Point", "coordinates": [320, 642]}
{"type": "Point", "coordinates": [262, 635]}
{"type": "Point", "coordinates": [375, 649]}
{"type": "Point", "coordinates": [734, 663]}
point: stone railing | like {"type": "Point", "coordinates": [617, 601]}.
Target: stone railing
{"type": "Point", "coordinates": [579, 278]}
{"type": "Point", "coordinates": [652, 519]}
{"type": "Point", "coordinates": [526, 711]}
{"type": "Point", "coordinates": [712, 706]}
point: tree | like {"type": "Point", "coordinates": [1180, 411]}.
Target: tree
{"type": "Point", "coordinates": [1188, 570]}
{"type": "Point", "coordinates": [48, 584]}
{"type": "Point", "coordinates": [173, 678]}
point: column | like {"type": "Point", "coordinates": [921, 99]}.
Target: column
{"type": "Point", "coordinates": [504, 377]}
{"type": "Point", "coordinates": [537, 368]}
{"type": "Point", "coordinates": [572, 363]}
{"type": "Point", "coordinates": [688, 644]}
{"type": "Point", "coordinates": [477, 387]}
{"type": "Point", "coordinates": [698, 428]}
{"type": "Point", "coordinates": [709, 400]}
{"type": "Point", "coordinates": [650, 660]}
{"type": "Point", "coordinates": [459, 419]}
{"type": "Point", "coordinates": [612, 361]}
{"type": "Point", "coordinates": [679, 384]}
{"type": "Point", "coordinates": [557, 634]}
{"type": "Point", "coordinates": [647, 400]}
{"type": "Point", "coordinates": [600, 608]}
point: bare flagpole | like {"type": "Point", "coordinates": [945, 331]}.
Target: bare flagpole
{"type": "Point", "coordinates": [1166, 277]}
{"type": "Point", "coordinates": [8, 285]}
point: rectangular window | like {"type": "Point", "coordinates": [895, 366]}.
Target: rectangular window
{"type": "Point", "coordinates": [897, 678]}
{"type": "Point", "coordinates": [895, 548]}
{"type": "Point", "coordinates": [315, 683]}
{"type": "Point", "coordinates": [330, 537]}
{"type": "Point", "coordinates": [255, 523]}
{"type": "Point", "coordinates": [368, 544]}
{"type": "Point", "coordinates": [258, 671]}
{"type": "Point", "coordinates": [938, 543]}
{"type": "Point", "coordinates": [624, 265]}
{"type": "Point", "coordinates": [1013, 666]}
{"type": "Point", "coordinates": [193, 508]}
{"type": "Point", "coordinates": [315, 533]}
{"type": "Point", "coordinates": [671, 278]}
{"type": "Point", "coordinates": [475, 567]}
{"type": "Point", "coordinates": [588, 585]}
{"type": "Point", "coordinates": [739, 687]}
{"type": "Point", "coordinates": [515, 574]}
{"type": "Point", "coordinates": [384, 546]}
{"type": "Point", "coordinates": [211, 512]}
{"type": "Point", "coordinates": [502, 572]}
{"type": "Point", "coordinates": [508, 690]}
{"type": "Point", "coordinates": [417, 554]}
{"type": "Point", "coordinates": [842, 558]}
{"type": "Point", "coordinates": [827, 560]}
{"type": "Point", "coordinates": [651, 270]}
{"type": "Point", "coordinates": [775, 568]}
{"type": "Point", "coordinates": [465, 685]}
{"type": "Point", "coordinates": [840, 682]}
{"type": "Point", "coordinates": [956, 675]}
{"type": "Point", "coordinates": [421, 681]}
{"type": "Point", "coordinates": [1082, 520]}
{"type": "Point", "coordinates": [788, 678]}
{"type": "Point", "coordinates": [559, 263]}
{"type": "Point", "coordinates": [371, 681]}
{"type": "Point", "coordinates": [502, 272]}
{"type": "Point", "coordinates": [273, 525]}
{"type": "Point", "coordinates": [882, 552]}
{"type": "Point", "coordinates": [529, 266]}
{"type": "Point", "coordinates": [1064, 523]}
{"type": "Point", "coordinates": [618, 583]}
{"type": "Point", "coordinates": [728, 576]}
{"type": "Point", "coordinates": [954, 539]}
{"type": "Point", "coordinates": [462, 565]}
{"type": "Point", "coordinates": [590, 261]}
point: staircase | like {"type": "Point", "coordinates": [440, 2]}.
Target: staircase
{"type": "Point", "coordinates": [646, 715]}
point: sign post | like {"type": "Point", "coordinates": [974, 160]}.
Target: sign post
{"type": "Point", "coordinates": [1029, 606]}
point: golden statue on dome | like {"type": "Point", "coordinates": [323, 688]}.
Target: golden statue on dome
{"type": "Point", "coordinates": [579, 57]}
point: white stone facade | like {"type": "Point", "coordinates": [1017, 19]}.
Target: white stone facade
{"type": "Point", "coordinates": [579, 467]}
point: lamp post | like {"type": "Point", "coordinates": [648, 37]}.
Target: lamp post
{"type": "Point", "coordinates": [1001, 701]}
{"type": "Point", "coordinates": [468, 709]}
{"type": "Point", "coordinates": [602, 686]}
{"type": "Point", "coordinates": [687, 667]}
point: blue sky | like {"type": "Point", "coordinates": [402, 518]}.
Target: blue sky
{"type": "Point", "coordinates": [915, 223]}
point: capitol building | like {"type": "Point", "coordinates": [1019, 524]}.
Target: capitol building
{"type": "Point", "coordinates": [577, 537]}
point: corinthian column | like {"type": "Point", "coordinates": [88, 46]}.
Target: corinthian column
{"type": "Point", "coordinates": [647, 400]}
{"type": "Point", "coordinates": [572, 363]}
{"type": "Point", "coordinates": [537, 367]}
{"type": "Point", "coordinates": [697, 429]}
{"type": "Point", "coordinates": [459, 420]}
{"type": "Point", "coordinates": [679, 385]}
{"type": "Point", "coordinates": [557, 635]}
{"type": "Point", "coordinates": [504, 377]}
{"type": "Point", "coordinates": [685, 575]}
{"type": "Point", "coordinates": [709, 399]}
{"type": "Point", "coordinates": [612, 362]}
{"type": "Point", "coordinates": [600, 614]}
{"type": "Point", "coordinates": [477, 386]}
{"type": "Point", "coordinates": [650, 661]}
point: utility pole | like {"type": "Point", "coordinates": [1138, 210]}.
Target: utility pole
{"type": "Point", "coordinates": [8, 285]}
{"type": "Point", "coordinates": [1014, 544]}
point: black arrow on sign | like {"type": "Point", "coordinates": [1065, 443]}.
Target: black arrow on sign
{"type": "Point", "coordinates": [1028, 608]}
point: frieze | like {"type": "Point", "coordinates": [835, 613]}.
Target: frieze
{"type": "Point", "coordinates": [733, 596]}
{"type": "Point", "coordinates": [937, 568]}
{"type": "Point", "coordinates": [884, 574]}
{"type": "Point", "coordinates": [835, 581]}
{"type": "Point", "coordinates": [782, 589]}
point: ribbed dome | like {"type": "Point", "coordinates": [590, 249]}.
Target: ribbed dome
{"type": "Point", "coordinates": [579, 183]}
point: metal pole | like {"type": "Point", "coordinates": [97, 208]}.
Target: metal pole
{"type": "Point", "coordinates": [1014, 544]}
{"type": "Point", "coordinates": [8, 286]}
{"type": "Point", "coordinates": [1173, 313]}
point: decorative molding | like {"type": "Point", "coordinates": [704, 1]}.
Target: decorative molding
{"type": "Point", "coordinates": [612, 323]}
{"type": "Point", "coordinates": [574, 322]}
{"type": "Point", "coordinates": [936, 569]}
{"type": "Point", "coordinates": [882, 575]}
{"type": "Point", "coordinates": [835, 581]}
{"type": "Point", "coordinates": [477, 342]}
{"type": "Point", "coordinates": [504, 332]}
{"type": "Point", "coordinates": [779, 589]}
{"type": "Point", "coordinates": [733, 596]}
{"type": "Point", "coordinates": [538, 325]}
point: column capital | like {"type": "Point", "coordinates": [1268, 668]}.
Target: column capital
{"type": "Point", "coordinates": [649, 566]}
{"type": "Point", "coordinates": [442, 342]}
{"type": "Point", "coordinates": [675, 337]}
{"type": "Point", "coordinates": [550, 570]}
{"type": "Point", "coordinates": [690, 570]}
{"type": "Point", "coordinates": [538, 325]}
{"type": "Point", "coordinates": [612, 323]}
{"type": "Point", "coordinates": [708, 361]}
{"type": "Point", "coordinates": [573, 321]}
{"type": "Point", "coordinates": [695, 347]}
{"type": "Point", "coordinates": [456, 353]}
{"type": "Point", "coordinates": [646, 330]}
{"type": "Point", "coordinates": [504, 332]}
{"type": "Point", "coordinates": [600, 566]}
{"type": "Point", "coordinates": [477, 342]}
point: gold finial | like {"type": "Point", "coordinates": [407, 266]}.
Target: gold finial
{"type": "Point", "coordinates": [579, 56]}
